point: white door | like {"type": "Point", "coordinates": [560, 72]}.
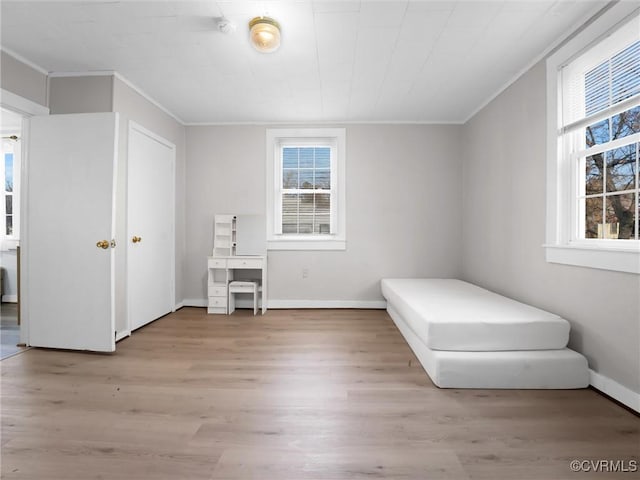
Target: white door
{"type": "Point", "coordinates": [70, 177]}
{"type": "Point", "coordinates": [150, 226]}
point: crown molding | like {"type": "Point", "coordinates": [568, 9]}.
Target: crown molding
{"type": "Point", "coordinates": [91, 73]}
{"type": "Point", "coordinates": [320, 123]}
{"type": "Point", "coordinates": [27, 62]}
{"type": "Point", "coordinates": [147, 97]}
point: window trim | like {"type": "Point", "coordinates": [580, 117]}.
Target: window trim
{"type": "Point", "coordinates": [334, 137]}
{"type": "Point", "coordinates": [10, 242]}
{"type": "Point", "coordinates": [560, 216]}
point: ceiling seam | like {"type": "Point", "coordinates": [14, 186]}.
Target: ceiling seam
{"type": "Point", "coordinates": [426, 60]}
{"type": "Point", "coordinates": [395, 46]}
{"type": "Point", "coordinates": [353, 63]}
{"type": "Point", "coordinates": [315, 35]}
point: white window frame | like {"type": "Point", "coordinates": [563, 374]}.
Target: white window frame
{"type": "Point", "coordinates": [10, 242]}
{"type": "Point", "coordinates": [335, 138]}
{"type": "Point", "coordinates": [561, 245]}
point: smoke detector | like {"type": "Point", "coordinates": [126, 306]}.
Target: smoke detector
{"type": "Point", "coordinates": [225, 25]}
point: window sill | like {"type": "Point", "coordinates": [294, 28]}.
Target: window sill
{"type": "Point", "coordinates": [617, 259]}
{"type": "Point", "coordinates": [306, 244]}
{"type": "Point", "coordinates": [9, 244]}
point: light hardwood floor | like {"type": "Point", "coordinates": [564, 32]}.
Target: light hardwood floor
{"type": "Point", "coordinates": [334, 394]}
{"type": "Point", "coordinates": [9, 330]}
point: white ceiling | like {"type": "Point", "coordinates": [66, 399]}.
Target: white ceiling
{"type": "Point", "coordinates": [342, 61]}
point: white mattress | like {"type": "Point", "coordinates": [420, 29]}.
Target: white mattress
{"type": "Point", "coordinates": [454, 315]}
{"type": "Point", "coordinates": [548, 369]}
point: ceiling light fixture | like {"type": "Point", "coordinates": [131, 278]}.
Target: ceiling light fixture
{"type": "Point", "coordinates": [265, 34]}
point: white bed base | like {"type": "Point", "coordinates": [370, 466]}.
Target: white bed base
{"type": "Point", "coordinates": [526, 369]}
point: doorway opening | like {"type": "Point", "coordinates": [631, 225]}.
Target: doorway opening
{"type": "Point", "coordinates": [10, 163]}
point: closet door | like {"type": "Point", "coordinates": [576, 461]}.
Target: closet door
{"type": "Point", "coordinates": [150, 220]}
{"type": "Point", "coordinates": [67, 253]}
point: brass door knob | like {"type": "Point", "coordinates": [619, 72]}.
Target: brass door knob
{"type": "Point", "coordinates": [104, 244]}
{"type": "Point", "coordinates": [136, 239]}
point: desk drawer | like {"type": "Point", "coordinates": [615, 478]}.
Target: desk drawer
{"type": "Point", "coordinates": [217, 291]}
{"type": "Point", "coordinates": [217, 301]}
{"type": "Point", "coordinates": [217, 263]}
{"type": "Point", "coordinates": [245, 262]}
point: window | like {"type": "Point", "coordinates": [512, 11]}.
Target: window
{"type": "Point", "coordinates": [605, 151]}
{"type": "Point", "coordinates": [594, 140]}
{"type": "Point", "coordinates": [8, 194]}
{"type": "Point", "coordinates": [10, 175]}
{"type": "Point", "coordinates": [305, 189]}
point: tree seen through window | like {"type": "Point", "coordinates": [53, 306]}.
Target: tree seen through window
{"type": "Point", "coordinates": [611, 174]}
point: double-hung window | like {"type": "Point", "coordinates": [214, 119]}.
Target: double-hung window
{"type": "Point", "coordinates": [10, 175]}
{"type": "Point", "coordinates": [305, 189]}
{"type": "Point", "coordinates": [594, 157]}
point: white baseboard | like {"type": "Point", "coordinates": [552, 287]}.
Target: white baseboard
{"type": "Point", "coordinates": [376, 304]}
{"type": "Point", "coordinates": [292, 304]}
{"type": "Point", "coordinates": [178, 306]}
{"type": "Point", "coordinates": [121, 335]}
{"type": "Point", "coordinates": [612, 388]}
{"type": "Point", "coordinates": [194, 302]}
{"type": "Point", "coordinates": [10, 298]}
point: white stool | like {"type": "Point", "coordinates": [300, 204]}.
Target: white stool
{"type": "Point", "coordinates": [237, 286]}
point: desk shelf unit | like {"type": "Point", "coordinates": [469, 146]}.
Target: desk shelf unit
{"type": "Point", "coordinates": [224, 236]}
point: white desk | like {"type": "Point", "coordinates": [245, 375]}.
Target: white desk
{"type": "Point", "coordinates": [221, 272]}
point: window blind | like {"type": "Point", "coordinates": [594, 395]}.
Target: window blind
{"type": "Point", "coordinates": [613, 81]}
{"type": "Point", "coordinates": [306, 190]}
{"type": "Point", "coordinates": [602, 81]}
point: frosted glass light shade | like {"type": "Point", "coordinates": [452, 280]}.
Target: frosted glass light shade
{"type": "Point", "coordinates": [264, 34]}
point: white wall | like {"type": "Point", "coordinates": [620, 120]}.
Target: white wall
{"type": "Point", "coordinates": [504, 230]}
{"type": "Point", "coordinates": [403, 209]}
{"type": "Point", "coordinates": [81, 94]}
{"type": "Point", "coordinates": [22, 80]}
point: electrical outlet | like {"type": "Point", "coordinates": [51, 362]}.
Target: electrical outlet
{"type": "Point", "coordinates": [305, 272]}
